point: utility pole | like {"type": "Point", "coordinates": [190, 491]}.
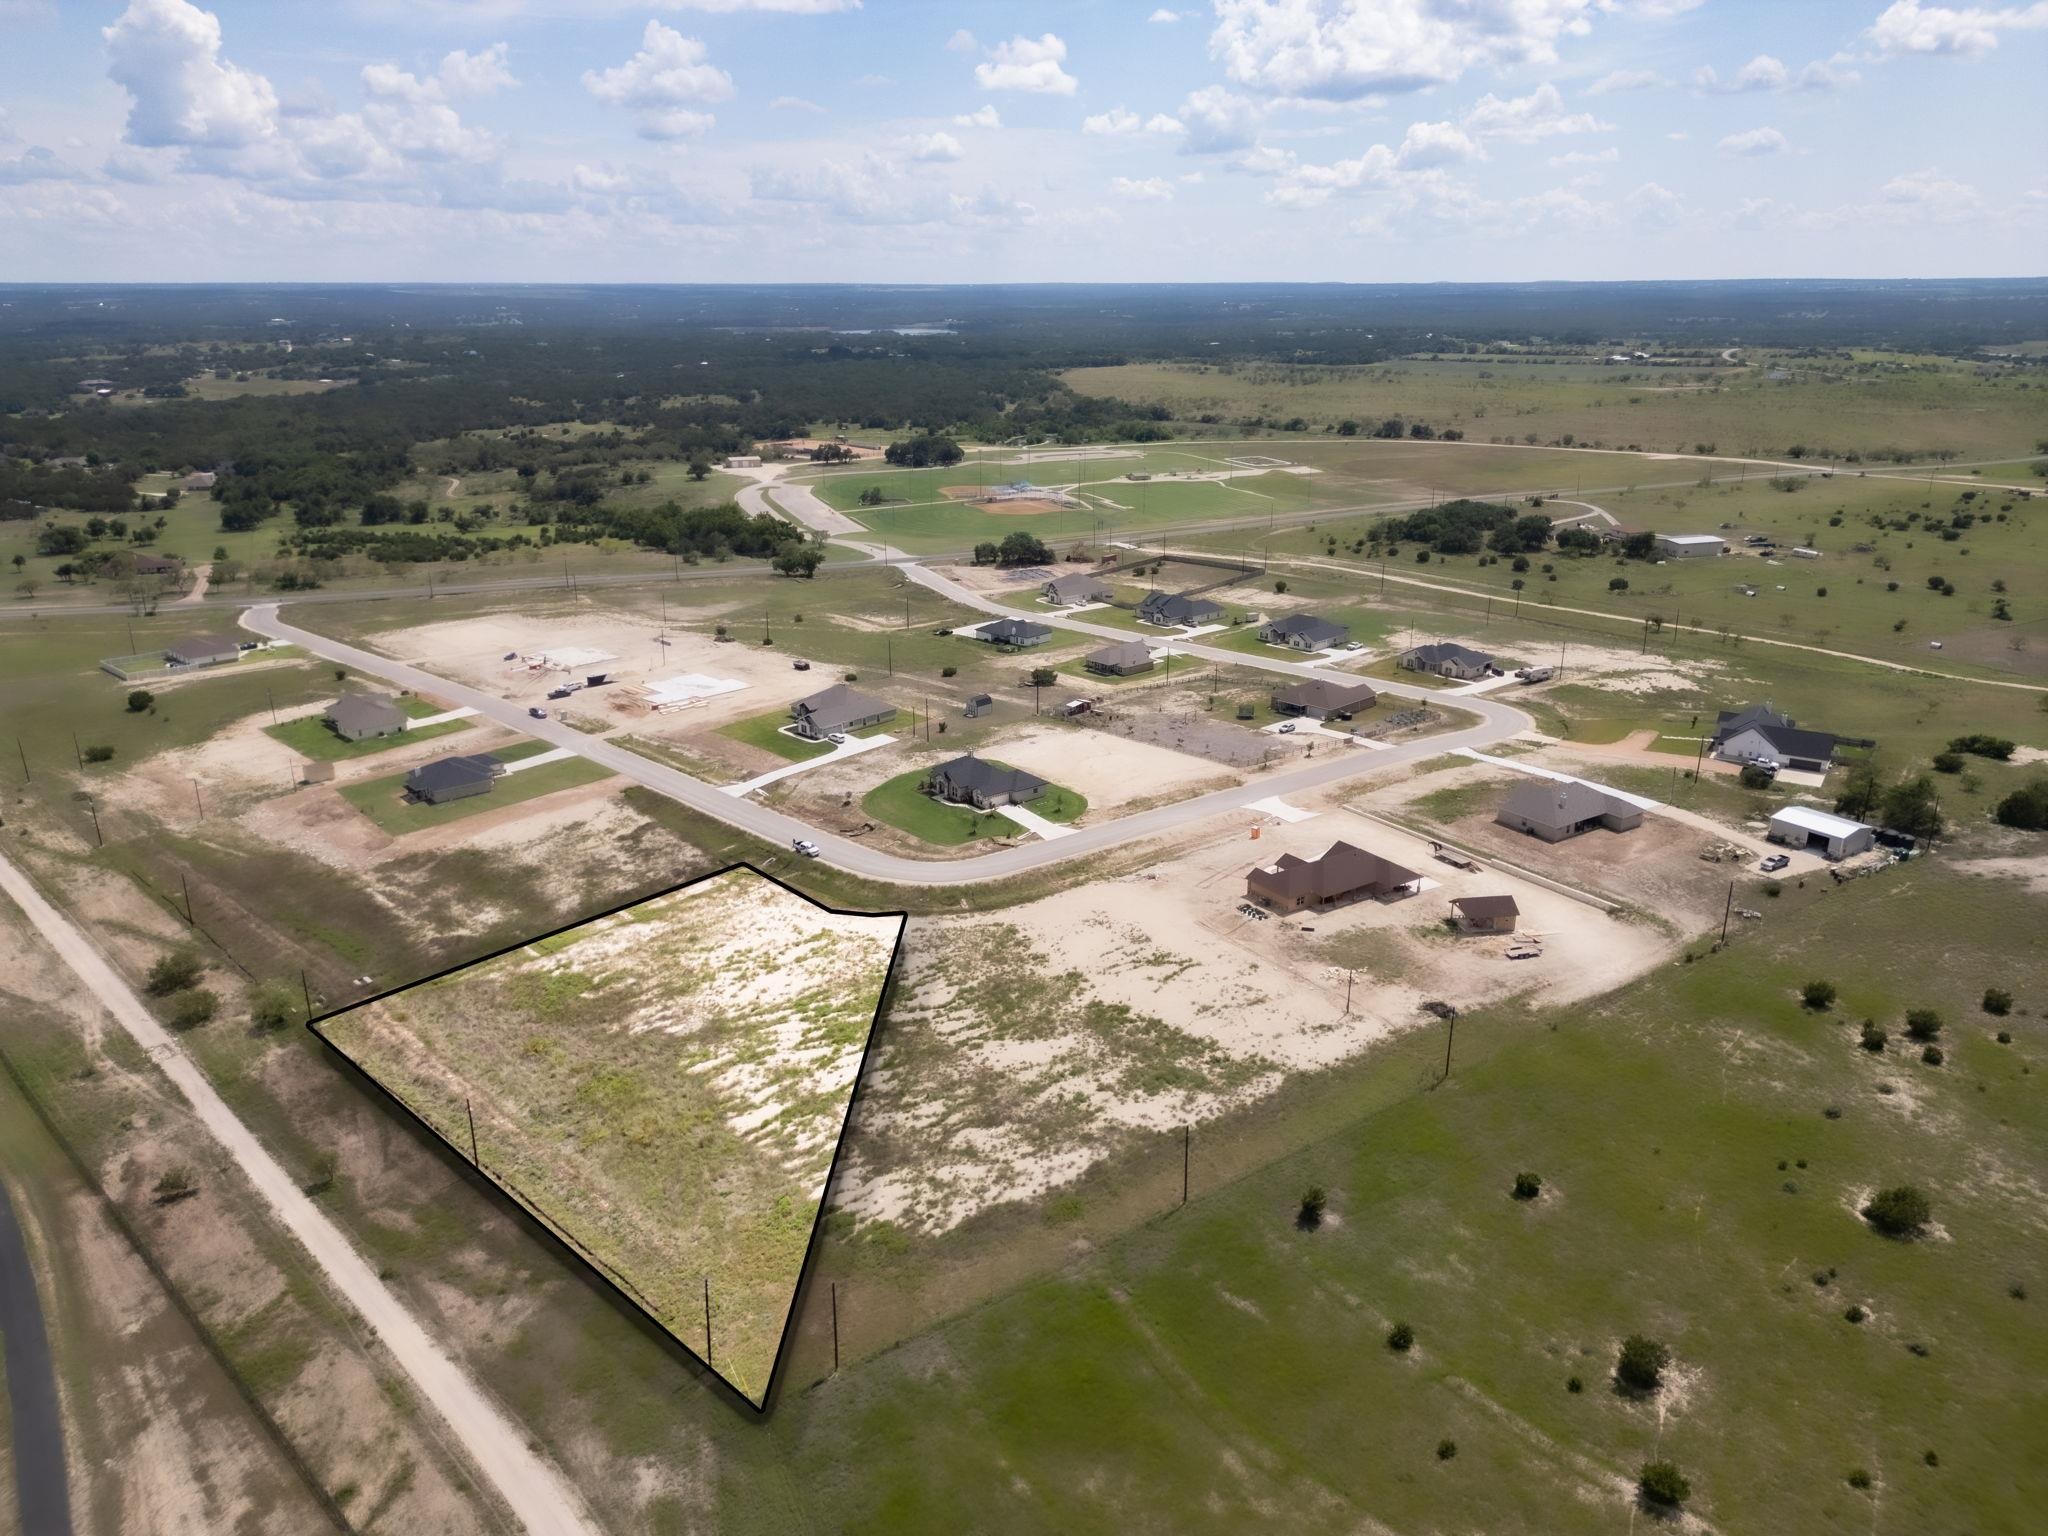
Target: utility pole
{"type": "Point", "coordinates": [1450, 1040]}
{"type": "Point", "coordinates": [475, 1161]}
{"type": "Point", "coordinates": [198, 805]}
{"type": "Point", "coordinates": [186, 886]}
{"type": "Point", "coordinates": [76, 750]}
{"type": "Point", "coordinates": [889, 644]}
{"type": "Point", "coordinates": [26, 776]}
{"type": "Point", "coordinates": [1187, 1143]}
{"type": "Point", "coordinates": [707, 1319]}
{"type": "Point", "coordinates": [306, 992]}
{"type": "Point", "coordinates": [835, 1327]}
{"type": "Point", "coordinates": [273, 704]}
{"type": "Point", "coordinates": [1347, 994]}
{"type": "Point", "coordinates": [1727, 911]}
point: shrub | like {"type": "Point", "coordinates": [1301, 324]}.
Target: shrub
{"type": "Point", "coordinates": [140, 699]}
{"type": "Point", "coordinates": [1982, 746]}
{"type": "Point", "coordinates": [272, 1005]}
{"type": "Point", "coordinates": [1874, 1036]}
{"type": "Point", "coordinates": [1948, 762]}
{"type": "Point", "coordinates": [1901, 1211]}
{"type": "Point", "coordinates": [1527, 1186]}
{"type": "Point", "coordinates": [1446, 1449]}
{"type": "Point", "coordinates": [97, 754]}
{"type": "Point", "coordinates": [1755, 777]}
{"type": "Point", "coordinates": [191, 1009]}
{"type": "Point", "coordinates": [1573, 1385]}
{"type": "Point", "coordinates": [1859, 1479]}
{"type": "Point", "coordinates": [1997, 1001]}
{"type": "Point", "coordinates": [1922, 1024]}
{"type": "Point", "coordinates": [1640, 1365]}
{"type": "Point", "coordinates": [1401, 1338]}
{"type": "Point", "coordinates": [1855, 1314]}
{"type": "Point", "coordinates": [173, 973]}
{"type": "Point", "coordinates": [1617, 583]}
{"type": "Point", "coordinates": [175, 1184]}
{"type": "Point", "coordinates": [949, 671]}
{"type": "Point", "coordinates": [1818, 995]}
{"type": "Point", "coordinates": [1662, 1484]}
{"type": "Point", "coordinates": [1314, 1200]}
{"type": "Point", "coordinates": [1931, 1054]}
{"type": "Point", "coordinates": [2005, 1037]}
{"type": "Point", "coordinates": [2026, 807]}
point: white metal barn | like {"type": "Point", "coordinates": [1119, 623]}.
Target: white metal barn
{"type": "Point", "coordinates": [1688, 546]}
{"type": "Point", "coordinates": [1801, 826]}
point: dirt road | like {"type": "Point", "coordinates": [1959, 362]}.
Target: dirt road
{"type": "Point", "coordinates": [497, 1447]}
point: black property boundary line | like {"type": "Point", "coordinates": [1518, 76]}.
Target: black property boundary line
{"type": "Point", "coordinates": [611, 1281]}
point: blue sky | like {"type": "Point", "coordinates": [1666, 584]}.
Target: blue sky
{"type": "Point", "coordinates": [1088, 140]}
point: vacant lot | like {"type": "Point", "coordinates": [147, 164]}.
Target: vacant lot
{"type": "Point", "coordinates": [664, 1087]}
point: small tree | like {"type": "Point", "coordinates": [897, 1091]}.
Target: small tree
{"type": "Point", "coordinates": [98, 754]}
{"type": "Point", "coordinates": [1279, 586]}
{"type": "Point", "coordinates": [273, 1005]}
{"type": "Point", "coordinates": [1527, 1186]}
{"type": "Point", "coordinates": [173, 972]}
{"type": "Point", "coordinates": [175, 1183]}
{"type": "Point", "coordinates": [1314, 1200]}
{"type": "Point", "coordinates": [140, 699]}
{"type": "Point", "coordinates": [1901, 1211]}
{"type": "Point", "coordinates": [1043, 677]}
{"type": "Point", "coordinates": [1818, 995]}
{"type": "Point", "coordinates": [1997, 1001]}
{"type": "Point", "coordinates": [1756, 776]}
{"type": "Point", "coordinates": [1874, 1036]}
{"type": "Point", "coordinates": [1661, 1484]}
{"type": "Point", "coordinates": [1400, 1338]}
{"type": "Point", "coordinates": [1923, 1024]}
{"type": "Point", "coordinates": [1640, 1365]}
{"type": "Point", "coordinates": [192, 1008]}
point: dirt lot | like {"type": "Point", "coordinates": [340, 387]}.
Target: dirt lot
{"type": "Point", "coordinates": [995, 578]}
{"type": "Point", "coordinates": [1178, 718]}
{"type": "Point", "coordinates": [1030, 1045]}
{"type": "Point", "coordinates": [1109, 770]}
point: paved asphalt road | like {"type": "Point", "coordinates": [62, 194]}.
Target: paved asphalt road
{"type": "Point", "coordinates": [1498, 721]}
{"type": "Point", "coordinates": [42, 1492]}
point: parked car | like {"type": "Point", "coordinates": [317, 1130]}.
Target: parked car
{"type": "Point", "coordinates": [806, 847]}
{"type": "Point", "coordinates": [538, 713]}
{"type": "Point", "coordinates": [1774, 863]}
{"type": "Point", "coordinates": [837, 738]}
{"type": "Point", "coordinates": [943, 631]}
{"type": "Point", "coordinates": [558, 693]}
{"type": "Point", "coordinates": [801, 666]}
{"type": "Point", "coordinates": [1287, 728]}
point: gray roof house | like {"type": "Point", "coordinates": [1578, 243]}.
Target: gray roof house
{"type": "Point", "coordinates": [1759, 734]}
{"type": "Point", "coordinates": [1305, 632]}
{"type": "Point", "coordinates": [1015, 632]}
{"type": "Point", "coordinates": [1320, 699]}
{"type": "Point", "coordinates": [360, 716]}
{"type": "Point", "coordinates": [202, 650]}
{"type": "Point", "coordinates": [453, 778]}
{"type": "Point", "coordinates": [838, 708]}
{"type": "Point", "coordinates": [1446, 658]}
{"type": "Point", "coordinates": [1555, 809]}
{"type": "Point", "coordinates": [1121, 659]}
{"type": "Point", "coordinates": [1066, 591]}
{"type": "Point", "coordinates": [1179, 608]}
{"type": "Point", "coordinates": [984, 785]}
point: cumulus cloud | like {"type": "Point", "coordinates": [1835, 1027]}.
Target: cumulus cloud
{"type": "Point", "coordinates": [35, 163]}
{"type": "Point", "coordinates": [1525, 119]}
{"type": "Point", "coordinates": [1027, 64]}
{"type": "Point", "coordinates": [1218, 121]}
{"type": "Point", "coordinates": [1115, 120]}
{"type": "Point", "coordinates": [1910, 27]}
{"type": "Point", "coordinates": [1607, 156]}
{"type": "Point", "coordinates": [663, 84]}
{"type": "Point", "coordinates": [795, 104]}
{"type": "Point", "coordinates": [1756, 141]}
{"type": "Point", "coordinates": [1163, 17]}
{"type": "Point", "coordinates": [1342, 49]}
{"type": "Point", "coordinates": [477, 74]}
{"type": "Point", "coordinates": [983, 116]}
{"type": "Point", "coordinates": [167, 55]}
{"type": "Point", "coordinates": [1432, 144]}
{"type": "Point", "coordinates": [1933, 192]}
{"type": "Point", "coordinates": [1615, 81]}
{"type": "Point", "coordinates": [1765, 73]}
{"type": "Point", "coordinates": [932, 148]}
{"type": "Point", "coordinates": [1154, 189]}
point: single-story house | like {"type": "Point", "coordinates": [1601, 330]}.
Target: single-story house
{"type": "Point", "coordinates": [1486, 914]}
{"type": "Point", "coordinates": [1304, 632]}
{"type": "Point", "coordinates": [198, 480]}
{"type": "Point", "coordinates": [202, 650]}
{"type": "Point", "coordinates": [1122, 659]}
{"type": "Point", "coordinates": [453, 778]}
{"type": "Point", "coordinates": [974, 781]}
{"type": "Point", "coordinates": [1016, 633]}
{"type": "Point", "coordinates": [1068, 591]}
{"type": "Point", "coordinates": [1836, 837]}
{"type": "Point", "coordinates": [361, 716]}
{"type": "Point", "coordinates": [1179, 608]}
{"type": "Point", "coordinates": [157, 565]}
{"type": "Point", "coordinates": [1446, 658]}
{"type": "Point", "coordinates": [838, 708]}
{"type": "Point", "coordinates": [1555, 809]}
{"type": "Point", "coordinates": [1320, 699]}
{"type": "Point", "coordinates": [1338, 874]}
{"type": "Point", "coordinates": [742, 461]}
{"type": "Point", "coordinates": [1759, 734]}
{"type": "Point", "coordinates": [1690, 546]}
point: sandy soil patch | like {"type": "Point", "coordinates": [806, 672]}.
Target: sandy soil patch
{"type": "Point", "coordinates": [994, 578]}
{"type": "Point", "coordinates": [1110, 771]}
{"type": "Point", "coordinates": [2031, 870]}
{"type": "Point", "coordinates": [1011, 506]}
{"type": "Point", "coordinates": [1612, 669]}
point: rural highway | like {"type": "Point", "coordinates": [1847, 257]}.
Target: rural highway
{"type": "Point", "coordinates": [41, 1484]}
{"type": "Point", "coordinates": [1497, 722]}
{"type": "Point", "coordinates": [539, 1498]}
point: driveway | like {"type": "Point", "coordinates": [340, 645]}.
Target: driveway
{"type": "Point", "coordinates": [853, 746]}
{"type": "Point", "coordinates": [41, 1490]}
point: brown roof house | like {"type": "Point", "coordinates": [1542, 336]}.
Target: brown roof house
{"type": "Point", "coordinates": [1555, 809]}
{"type": "Point", "coordinates": [1321, 699]}
{"type": "Point", "coordinates": [1486, 914]}
{"type": "Point", "coordinates": [1339, 874]}
{"type": "Point", "coordinates": [1122, 659]}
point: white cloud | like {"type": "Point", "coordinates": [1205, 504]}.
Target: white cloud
{"type": "Point", "coordinates": [1910, 27]}
{"type": "Point", "coordinates": [35, 163]}
{"type": "Point", "coordinates": [477, 74]}
{"type": "Point", "coordinates": [1159, 122]}
{"type": "Point", "coordinates": [1756, 141]}
{"type": "Point", "coordinates": [662, 84]}
{"type": "Point", "coordinates": [795, 104]}
{"type": "Point", "coordinates": [1930, 190]}
{"type": "Point", "coordinates": [934, 148]}
{"type": "Point", "coordinates": [1340, 49]}
{"type": "Point", "coordinates": [1155, 189]}
{"type": "Point", "coordinates": [983, 116]}
{"type": "Point", "coordinates": [1027, 64]}
{"type": "Point", "coordinates": [166, 54]}
{"type": "Point", "coordinates": [1115, 120]}
{"type": "Point", "coordinates": [1525, 119]}
{"type": "Point", "coordinates": [1625, 80]}
{"type": "Point", "coordinates": [962, 41]}
{"type": "Point", "coordinates": [1218, 121]}
{"type": "Point", "coordinates": [1163, 17]}
{"type": "Point", "coordinates": [1607, 156]}
{"type": "Point", "coordinates": [1432, 144]}
{"type": "Point", "coordinates": [1653, 207]}
{"type": "Point", "coordinates": [1765, 73]}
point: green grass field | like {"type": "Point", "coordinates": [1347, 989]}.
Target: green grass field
{"type": "Point", "coordinates": [312, 737]}
{"type": "Point", "coordinates": [899, 802]}
{"type": "Point", "coordinates": [384, 802]}
{"type": "Point", "coordinates": [765, 732]}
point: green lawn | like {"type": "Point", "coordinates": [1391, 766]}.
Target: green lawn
{"type": "Point", "coordinates": [311, 736]}
{"type": "Point", "coordinates": [898, 802]}
{"type": "Point", "coordinates": [765, 732]}
{"type": "Point", "coordinates": [383, 800]}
